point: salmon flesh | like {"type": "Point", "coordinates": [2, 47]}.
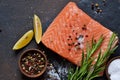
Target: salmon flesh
{"type": "Point", "coordinates": [68, 34]}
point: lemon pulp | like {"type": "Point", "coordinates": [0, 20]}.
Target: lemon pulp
{"type": "Point", "coordinates": [37, 28]}
{"type": "Point", "coordinates": [24, 40]}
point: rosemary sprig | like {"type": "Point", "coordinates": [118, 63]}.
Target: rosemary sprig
{"type": "Point", "coordinates": [88, 71]}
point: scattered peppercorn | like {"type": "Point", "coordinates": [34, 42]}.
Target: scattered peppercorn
{"type": "Point", "coordinates": [96, 5]}
{"type": "Point", "coordinates": [92, 6]}
{"type": "Point", "coordinates": [98, 10]}
{"type": "Point", "coordinates": [104, 2]}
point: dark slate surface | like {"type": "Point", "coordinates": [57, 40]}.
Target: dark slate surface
{"type": "Point", "coordinates": [16, 18]}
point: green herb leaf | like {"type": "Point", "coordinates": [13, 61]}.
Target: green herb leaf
{"type": "Point", "coordinates": [88, 71]}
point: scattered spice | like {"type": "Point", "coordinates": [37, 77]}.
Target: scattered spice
{"type": "Point", "coordinates": [33, 63]}
{"type": "Point", "coordinates": [69, 44]}
{"type": "Point", "coordinates": [104, 2]}
{"type": "Point", "coordinates": [73, 30]}
{"type": "Point", "coordinates": [76, 38]}
{"type": "Point", "coordinates": [92, 6]}
{"type": "Point", "coordinates": [76, 33]}
{"type": "Point", "coordinates": [69, 36]}
{"type": "Point", "coordinates": [86, 35]}
{"type": "Point", "coordinates": [98, 10]}
{"type": "Point", "coordinates": [73, 43]}
{"type": "Point", "coordinates": [97, 7]}
{"type": "Point", "coordinates": [84, 27]}
{"type": "Point", "coordinates": [68, 39]}
{"type": "Point", "coordinates": [69, 49]}
{"type": "Point", "coordinates": [78, 43]}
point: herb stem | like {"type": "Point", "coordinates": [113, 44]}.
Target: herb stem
{"type": "Point", "coordinates": [88, 70]}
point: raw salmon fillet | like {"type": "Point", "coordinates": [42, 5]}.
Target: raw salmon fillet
{"type": "Point", "coordinates": [68, 34]}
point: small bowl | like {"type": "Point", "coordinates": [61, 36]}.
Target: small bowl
{"type": "Point", "coordinates": [32, 63]}
{"type": "Point", "coordinates": [106, 71]}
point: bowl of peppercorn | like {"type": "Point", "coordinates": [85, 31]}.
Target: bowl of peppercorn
{"type": "Point", "coordinates": [32, 63]}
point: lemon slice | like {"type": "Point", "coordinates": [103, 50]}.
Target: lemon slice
{"type": "Point", "coordinates": [37, 28]}
{"type": "Point", "coordinates": [24, 40]}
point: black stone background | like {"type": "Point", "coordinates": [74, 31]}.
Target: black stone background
{"type": "Point", "coordinates": [16, 18]}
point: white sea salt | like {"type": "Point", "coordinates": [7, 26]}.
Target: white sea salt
{"type": "Point", "coordinates": [114, 69]}
{"type": "Point", "coordinates": [115, 76]}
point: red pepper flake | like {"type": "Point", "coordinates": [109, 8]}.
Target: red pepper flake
{"type": "Point", "coordinates": [71, 39]}
{"type": "Point", "coordinates": [68, 39]}
{"type": "Point", "coordinates": [70, 25]}
{"type": "Point", "coordinates": [69, 44]}
{"type": "Point", "coordinates": [76, 38]}
{"type": "Point", "coordinates": [69, 49]}
{"type": "Point", "coordinates": [73, 43]}
{"type": "Point", "coordinates": [51, 41]}
{"type": "Point", "coordinates": [86, 35]}
{"type": "Point", "coordinates": [95, 40]}
{"type": "Point", "coordinates": [84, 27]}
{"type": "Point", "coordinates": [69, 36]}
{"type": "Point", "coordinates": [73, 30]}
{"type": "Point", "coordinates": [76, 14]}
{"type": "Point", "coordinates": [76, 33]}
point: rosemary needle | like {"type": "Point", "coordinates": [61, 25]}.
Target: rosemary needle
{"type": "Point", "coordinates": [88, 71]}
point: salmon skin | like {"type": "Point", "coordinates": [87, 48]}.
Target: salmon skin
{"type": "Point", "coordinates": [68, 34]}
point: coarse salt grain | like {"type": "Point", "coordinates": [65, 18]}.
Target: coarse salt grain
{"type": "Point", "coordinates": [114, 69]}
{"type": "Point", "coordinates": [115, 76]}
